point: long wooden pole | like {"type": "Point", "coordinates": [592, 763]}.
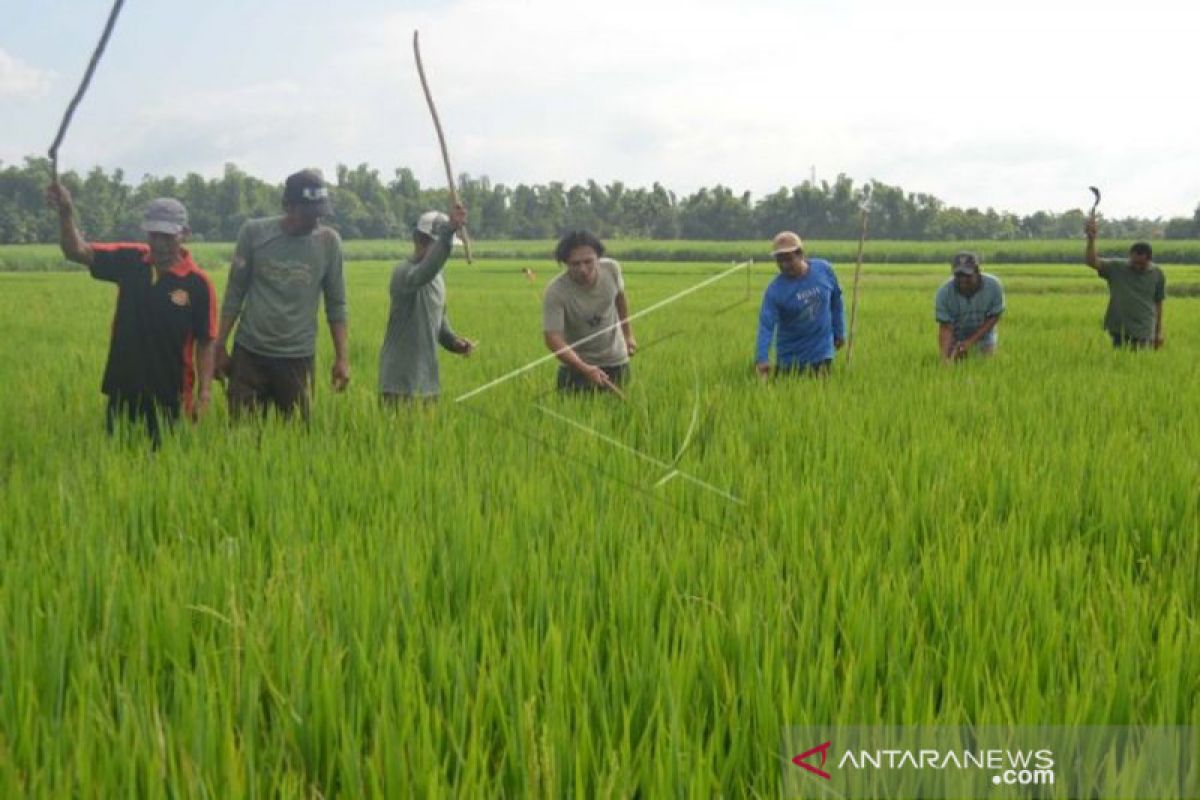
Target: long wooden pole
{"type": "Point", "coordinates": [862, 241]}
{"type": "Point", "coordinates": [437, 124]}
{"type": "Point", "coordinates": [83, 86]}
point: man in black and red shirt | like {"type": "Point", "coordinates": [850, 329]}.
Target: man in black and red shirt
{"type": "Point", "coordinates": [166, 310]}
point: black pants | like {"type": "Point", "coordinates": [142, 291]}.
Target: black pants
{"type": "Point", "coordinates": [571, 381]}
{"type": "Point", "coordinates": [139, 410]}
{"type": "Point", "coordinates": [1120, 340]}
{"type": "Point", "coordinates": [817, 368]}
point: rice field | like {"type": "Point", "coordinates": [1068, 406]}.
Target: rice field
{"type": "Point", "coordinates": [508, 596]}
{"type": "Point", "coordinates": [214, 256]}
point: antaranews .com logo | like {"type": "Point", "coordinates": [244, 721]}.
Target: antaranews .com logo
{"type": "Point", "coordinates": [1098, 762]}
{"type": "Point", "coordinates": [1008, 767]}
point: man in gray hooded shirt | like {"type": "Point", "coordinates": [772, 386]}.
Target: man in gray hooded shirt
{"type": "Point", "coordinates": [417, 324]}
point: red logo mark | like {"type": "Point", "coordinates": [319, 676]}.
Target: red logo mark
{"type": "Point", "coordinates": [802, 760]}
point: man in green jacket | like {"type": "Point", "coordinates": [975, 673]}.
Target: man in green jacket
{"type": "Point", "coordinates": [417, 323]}
{"type": "Point", "coordinates": [1136, 290]}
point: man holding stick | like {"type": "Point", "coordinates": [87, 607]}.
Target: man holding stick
{"type": "Point", "coordinates": [417, 323]}
{"type": "Point", "coordinates": [166, 314]}
{"type": "Point", "coordinates": [1136, 290]}
{"type": "Point", "coordinates": [585, 318]}
{"type": "Point", "coordinates": [281, 269]}
{"type": "Point", "coordinates": [801, 311]}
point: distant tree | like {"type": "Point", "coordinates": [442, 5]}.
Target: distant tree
{"type": "Point", "coordinates": [368, 207]}
{"type": "Point", "coordinates": [1180, 228]}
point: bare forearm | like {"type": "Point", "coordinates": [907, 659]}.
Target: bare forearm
{"type": "Point", "coordinates": [558, 345]}
{"type": "Point", "coordinates": [74, 248]}
{"type": "Point", "coordinates": [340, 333]}
{"type": "Point", "coordinates": [623, 315]}
{"type": "Point", "coordinates": [945, 340]}
{"type": "Point", "coordinates": [1089, 254]}
{"type": "Point", "coordinates": [1158, 320]}
{"type": "Point", "coordinates": [982, 331]}
{"type": "Point", "coordinates": [204, 367]}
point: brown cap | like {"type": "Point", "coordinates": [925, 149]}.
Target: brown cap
{"type": "Point", "coordinates": [786, 242]}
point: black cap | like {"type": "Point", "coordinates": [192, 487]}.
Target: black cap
{"type": "Point", "coordinates": [307, 188]}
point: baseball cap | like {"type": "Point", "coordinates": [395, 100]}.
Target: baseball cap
{"type": "Point", "coordinates": [165, 215]}
{"type": "Point", "coordinates": [965, 263]}
{"type": "Point", "coordinates": [307, 188]}
{"type": "Point", "coordinates": [786, 242]}
{"type": "Point", "coordinates": [429, 222]}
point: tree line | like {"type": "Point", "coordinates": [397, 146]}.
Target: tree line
{"type": "Point", "coordinates": [370, 206]}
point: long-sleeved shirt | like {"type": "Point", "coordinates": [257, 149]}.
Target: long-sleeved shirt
{"type": "Point", "coordinates": [803, 316]}
{"type": "Point", "coordinates": [417, 323]}
{"type": "Point", "coordinates": [275, 284]}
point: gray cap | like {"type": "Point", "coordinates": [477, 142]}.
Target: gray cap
{"type": "Point", "coordinates": [165, 215]}
{"type": "Point", "coordinates": [965, 263]}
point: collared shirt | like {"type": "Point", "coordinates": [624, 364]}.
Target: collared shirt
{"type": "Point", "coordinates": [156, 324]}
{"type": "Point", "coordinates": [967, 313]}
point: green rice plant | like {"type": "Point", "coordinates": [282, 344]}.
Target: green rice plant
{"type": "Point", "coordinates": [477, 599]}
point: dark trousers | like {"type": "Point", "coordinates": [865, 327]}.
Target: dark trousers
{"type": "Point", "coordinates": [1120, 340]}
{"type": "Point", "coordinates": [569, 380]}
{"type": "Point", "coordinates": [129, 411]}
{"type": "Point", "coordinates": [817, 369]}
{"type": "Point", "coordinates": [258, 382]}
{"type": "Point", "coordinates": [394, 400]}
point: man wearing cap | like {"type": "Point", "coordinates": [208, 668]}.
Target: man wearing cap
{"type": "Point", "coordinates": [166, 314]}
{"type": "Point", "coordinates": [417, 323]}
{"type": "Point", "coordinates": [968, 308]}
{"type": "Point", "coordinates": [1136, 290]}
{"type": "Point", "coordinates": [801, 311]}
{"type": "Point", "coordinates": [281, 269]}
{"type": "Point", "coordinates": [585, 317]}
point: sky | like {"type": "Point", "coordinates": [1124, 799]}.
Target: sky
{"type": "Point", "coordinates": [1017, 105]}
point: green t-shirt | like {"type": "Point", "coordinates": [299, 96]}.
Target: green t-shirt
{"type": "Point", "coordinates": [276, 282]}
{"type": "Point", "coordinates": [1132, 296]}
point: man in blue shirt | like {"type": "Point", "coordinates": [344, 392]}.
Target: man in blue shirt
{"type": "Point", "coordinates": [801, 311]}
{"type": "Point", "coordinates": [968, 308]}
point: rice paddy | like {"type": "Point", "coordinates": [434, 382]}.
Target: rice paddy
{"type": "Point", "coordinates": [482, 599]}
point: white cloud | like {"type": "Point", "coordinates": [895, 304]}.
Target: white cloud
{"type": "Point", "coordinates": [19, 80]}
{"type": "Point", "coordinates": [1017, 105]}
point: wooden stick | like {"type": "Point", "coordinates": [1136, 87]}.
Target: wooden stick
{"type": "Point", "coordinates": [87, 79]}
{"type": "Point", "coordinates": [862, 240]}
{"type": "Point", "coordinates": [437, 124]}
